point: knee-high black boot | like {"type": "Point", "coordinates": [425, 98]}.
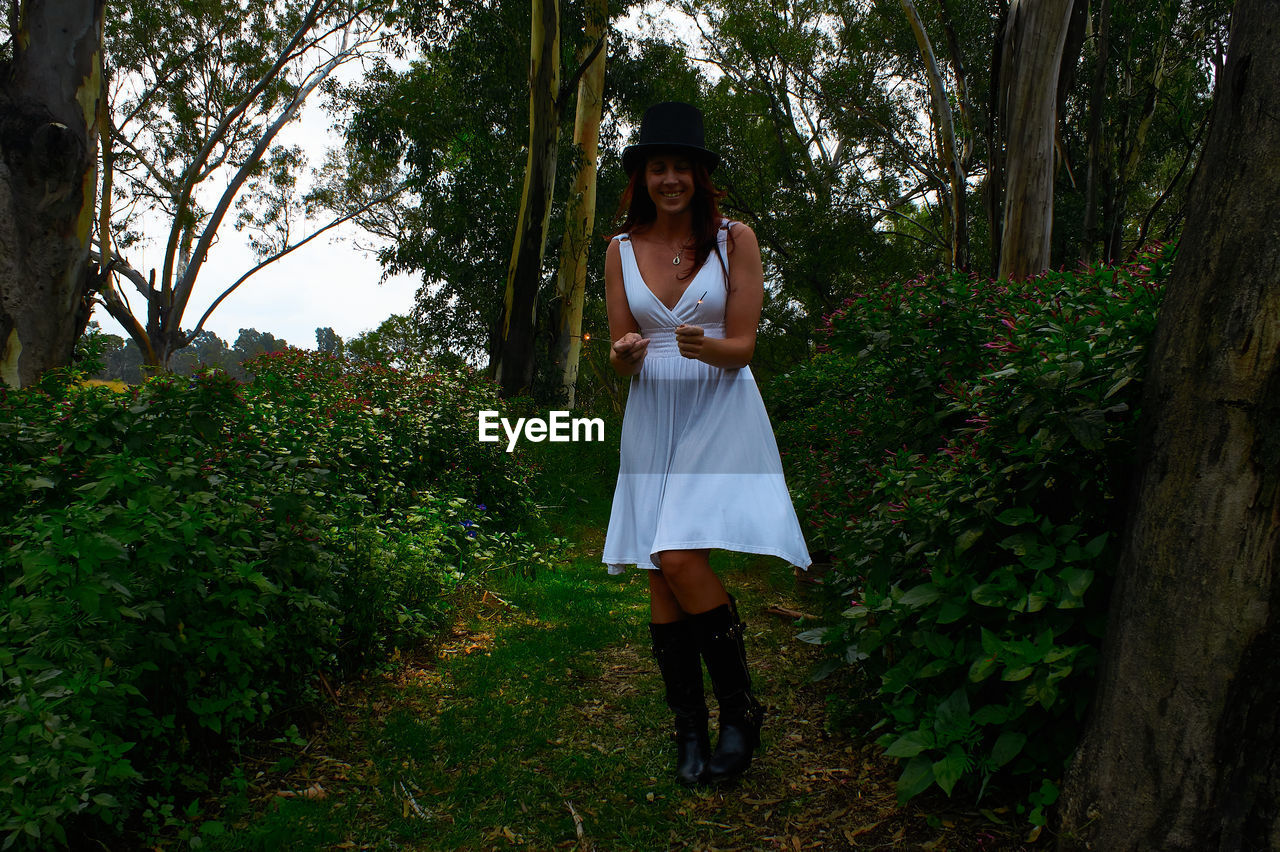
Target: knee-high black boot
{"type": "Point", "coordinates": [741, 715]}
{"type": "Point", "coordinates": [675, 647]}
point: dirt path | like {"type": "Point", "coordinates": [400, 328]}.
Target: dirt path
{"type": "Point", "coordinates": [538, 723]}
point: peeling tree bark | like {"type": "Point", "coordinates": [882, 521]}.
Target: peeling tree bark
{"type": "Point", "coordinates": [1182, 751]}
{"type": "Point", "coordinates": [49, 104]}
{"type": "Point", "coordinates": [1034, 36]}
{"type": "Point", "coordinates": [580, 212]}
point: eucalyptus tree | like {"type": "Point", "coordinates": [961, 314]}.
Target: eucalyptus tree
{"type": "Point", "coordinates": [50, 109]}
{"type": "Point", "coordinates": [1033, 46]}
{"type": "Point", "coordinates": [454, 125]}
{"type": "Point", "coordinates": [580, 208]}
{"type": "Point", "coordinates": [199, 92]}
{"type": "Point", "coordinates": [548, 99]}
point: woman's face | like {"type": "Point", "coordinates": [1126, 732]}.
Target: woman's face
{"type": "Point", "coordinates": [669, 180]}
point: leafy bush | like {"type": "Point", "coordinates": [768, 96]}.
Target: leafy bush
{"type": "Point", "coordinates": [182, 561]}
{"type": "Point", "coordinates": [972, 507]}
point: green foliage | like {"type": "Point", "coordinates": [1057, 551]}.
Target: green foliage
{"type": "Point", "coordinates": [182, 562]}
{"type": "Point", "coordinates": [973, 508]}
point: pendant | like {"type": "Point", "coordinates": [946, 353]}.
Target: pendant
{"type": "Point", "coordinates": [675, 261]}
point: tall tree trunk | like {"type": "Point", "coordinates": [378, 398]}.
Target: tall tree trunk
{"type": "Point", "coordinates": [958, 234]}
{"type": "Point", "coordinates": [524, 274]}
{"type": "Point", "coordinates": [49, 103]}
{"type": "Point", "coordinates": [1182, 751]}
{"type": "Point", "coordinates": [1097, 102]}
{"type": "Point", "coordinates": [1034, 36]}
{"type": "Point", "coordinates": [1135, 146]}
{"type": "Point", "coordinates": [580, 212]}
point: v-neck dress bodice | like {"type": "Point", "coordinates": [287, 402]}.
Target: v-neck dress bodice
{"type": "Point", "coordinates": [699, 463]}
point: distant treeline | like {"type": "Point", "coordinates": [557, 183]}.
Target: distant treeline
{"type": "Point", "coordinates": [122, 359]}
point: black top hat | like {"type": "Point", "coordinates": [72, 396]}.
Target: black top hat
{"type": "Point", "coordinates": [669, 125]}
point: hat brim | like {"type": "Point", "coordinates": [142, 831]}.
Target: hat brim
{"type": "Point", "coordinates": [633, 156]}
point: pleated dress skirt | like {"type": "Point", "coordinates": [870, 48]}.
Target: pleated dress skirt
{"type": "Point", "coordinates": [699, 463]}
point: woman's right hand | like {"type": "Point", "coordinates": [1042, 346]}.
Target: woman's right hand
{"type": "Point", "coordinates": [628, 353]}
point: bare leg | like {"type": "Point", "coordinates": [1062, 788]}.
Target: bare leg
{"type": "Point", "coordinates": [688, 577]}
{"type": "Point", "coordinates": [663, 606]}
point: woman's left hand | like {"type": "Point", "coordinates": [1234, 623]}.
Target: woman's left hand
{"type": "Point", "coordinates": [690, 339]}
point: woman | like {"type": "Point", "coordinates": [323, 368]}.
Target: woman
{"type": "Point", "coordinates": [699, 466]}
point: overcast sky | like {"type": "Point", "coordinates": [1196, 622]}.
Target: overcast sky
{"type": "Point", "coordinates": [327, 282]}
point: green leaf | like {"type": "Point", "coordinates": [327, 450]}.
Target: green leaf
{"type": "Point", "coordinates": [953, 715]}
{"type": "Point", "coordinates": [953, 610]}
{"type": "Point", "coordinates": [909, 745]}
{"type": "Point", "coordinates": [106, 800]}
{"type": "Point", "coordinates": [992, 714]}
{"type": "Point", "coordinates": [951, 768]}
{"type": "Point", "coordinates": [933, 669]}
{"type": "Point", "coordinates": [1007, 747]}
{"type": "Point", "coordinates": [1078, 580]}
{"type": "Point", "coordinates": [1094, 547]}
{"type": "Point", "coordinates": [982, 668]}
{"type": "Point", "coordinates": [921, 595]}
{"type": "Point", "coordinates": [824, 670]}
{"type": "Point", "coordinates": [988, 594]}
{"type": "Point", "coordinates": [1033, 603]}
{"type": "Point", "coordinates": [813, 636]}
{"type": "Point", "coordinates": [1018, 673]}
{"type": "Point", "coordinates": [968, 539]}
{"type": "Point", "coordinates": [915, 778]}
{"type": "Point", "coordinates": [1114, 389]}
{"type": "Point", "coordinates": [1087, 429]}
{"type": "Point", "coordinates": [88, 598]}
{"type": "Point", "coordinates": [1016, 516]}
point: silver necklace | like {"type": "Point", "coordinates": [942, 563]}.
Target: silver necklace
{"type": "Point", "coordinates": [675, 261]}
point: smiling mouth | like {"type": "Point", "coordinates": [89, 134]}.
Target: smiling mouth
{"type": "Point", "coordinates": [672, 194]}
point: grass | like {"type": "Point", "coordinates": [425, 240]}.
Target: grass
{"type": "Point", "coordinates": [537, 723]}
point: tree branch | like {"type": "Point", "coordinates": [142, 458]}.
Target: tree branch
{"type": "Point", "coordinates": [182, 289]}
{"type": "Point", "coordinates": [571, 85]}
{"type": "Point", "coordinates": [197, 163]}
{"type": "Point", "coordinates": [288, 250]}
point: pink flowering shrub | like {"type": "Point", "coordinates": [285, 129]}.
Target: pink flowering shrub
{"type": "Point", "coordinates": [962, 449]}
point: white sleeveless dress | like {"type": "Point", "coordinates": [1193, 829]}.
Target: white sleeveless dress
{"type": "Point", "coordinates": [699, 463]}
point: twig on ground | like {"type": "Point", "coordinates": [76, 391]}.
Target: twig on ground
{"type": "Point", "coordinates": [787, 612]}
{"type": "Point", "coordinates": [583, 843]}
{"type": "Point", "coordinates": [411, 801]}
{"type": "Point", "coordinates": [324, 681]}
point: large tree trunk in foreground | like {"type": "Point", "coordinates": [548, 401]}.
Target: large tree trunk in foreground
{"type": "Point", "coordinates": [1183, 749]}
{"type": "Point", "coordinates": [580, 212]}
{"type": "Point", "coordinates": [49, 101]}
{"type": "Point", "coordinates": [1034, 37]}
{"type": "Point", "coordinates": [524, 274]}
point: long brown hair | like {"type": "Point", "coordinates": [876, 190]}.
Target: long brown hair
{"type": "Point", "coordinates": [637, 212]}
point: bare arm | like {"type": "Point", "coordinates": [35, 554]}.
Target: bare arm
{"type": "Point", "coordinates": [742, 309]}
{"type": "Point", "coordinates": [627, 353]}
